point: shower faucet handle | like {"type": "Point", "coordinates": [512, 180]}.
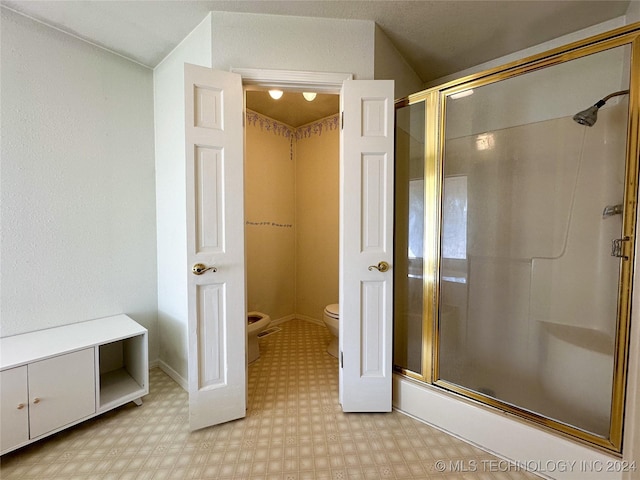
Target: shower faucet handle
{"type": "Point", "coordinates": [616, 247]}
{"type": "Point", "coordinates": [381, 267]}
{"type": "Point", "coordinates": [200, 268]}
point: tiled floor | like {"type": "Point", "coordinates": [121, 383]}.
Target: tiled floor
{"type": "Point", "coordinates": [294, 430]}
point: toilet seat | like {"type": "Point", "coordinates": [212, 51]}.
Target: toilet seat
{"type": "Point", "coordinates": [256, 323]}
{"type": "Point", "coordinates": [332, 311]}
{"type": "Point", "coordinates": [331, 319]}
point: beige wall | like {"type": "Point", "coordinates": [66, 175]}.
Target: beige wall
{"type": "Point", "coordinates": [269, 216]}
{"type": "Point", "coordinates": [317, 215]}
{"type": "Point", "coordinates": [291, 217]}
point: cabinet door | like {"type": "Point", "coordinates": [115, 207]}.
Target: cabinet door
{"type": "Point", "coordinates": [61, 391]}
{"type": "Point", "coordinates": [14, 409]}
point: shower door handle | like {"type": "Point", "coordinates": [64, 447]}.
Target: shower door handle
{"type": "Point", "coordinates": [200, 268]}
{"type": "Point", "coordinates": [381, 267]}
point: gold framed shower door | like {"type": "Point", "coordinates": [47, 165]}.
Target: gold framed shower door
{"type": "Point", "coordinates": [435, 101]}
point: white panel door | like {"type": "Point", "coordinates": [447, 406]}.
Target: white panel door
{"type": "Point", "coordinates": [215, 246]}
{"type": "Point", "coordinates": [366, 245]}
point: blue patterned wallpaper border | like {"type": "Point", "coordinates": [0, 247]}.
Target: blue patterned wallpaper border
{"type": "Point", "coordinates": [283, 130]}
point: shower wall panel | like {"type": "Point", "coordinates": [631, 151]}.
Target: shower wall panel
{"type": "Point", "coordinates": [538, 317]}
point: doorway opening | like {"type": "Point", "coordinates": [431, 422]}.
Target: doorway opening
{"type": "Point", "coordinates": [291, 194]}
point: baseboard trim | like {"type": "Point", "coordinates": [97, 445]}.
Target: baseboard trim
{"type": "Point", "coordinates": [284, 319]}
{"type": "Point", "coordinates": [306, 318]}
{"type": "Point", "coordinates": [175, 376]}
{"type": "Point", "coordinates": [297, 316]}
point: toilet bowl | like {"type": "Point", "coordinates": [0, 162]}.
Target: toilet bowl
{"type": "Point", "coordinates": [256, 323]}
{"type": "Point", "coordinates": [331, 319]}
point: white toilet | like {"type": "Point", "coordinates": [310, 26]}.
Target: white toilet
{"type": "Point", "coordinates": [256, 323]}
{"type": "Point", "coordinates": [331, 319]}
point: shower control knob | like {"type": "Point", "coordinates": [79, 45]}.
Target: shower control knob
{"type": "Point", "coordinates": [617, 247]}
{"type": "Point", "coordinates": [381, 267]}
{"type": "Point", "coordinates": [200, 268]}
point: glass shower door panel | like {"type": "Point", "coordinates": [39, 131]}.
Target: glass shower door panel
{"type": "Point", "coordinates": [409, 238]}
{"type": "Point", "coordinates": [531, 203]}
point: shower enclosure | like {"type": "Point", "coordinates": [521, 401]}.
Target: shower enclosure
{"type": "Point", "coordinates": [515, 233]}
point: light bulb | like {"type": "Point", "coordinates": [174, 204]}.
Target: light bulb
{"type": "Point", "coordinates": [309, 96]}
{"type": "Point", "coordinates": [275, 94]}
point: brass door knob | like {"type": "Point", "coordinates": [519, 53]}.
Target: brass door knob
{"type": "Point", "coordinates": [200, 268]}
{"type": "Point", "coordinates": [381, 267]}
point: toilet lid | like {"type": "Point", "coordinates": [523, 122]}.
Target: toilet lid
{"type": "Point", "coordinates": [332, 310]}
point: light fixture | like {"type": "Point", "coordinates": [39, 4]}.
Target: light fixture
{"type": "Point", "coordinates": [462, 94]}
{"type": "Point", "coordinates": [275, 94]}
{"type": "Point", "coordinates": [309, 96]}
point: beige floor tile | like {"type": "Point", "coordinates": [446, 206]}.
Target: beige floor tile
{"type": "Point", "coordinates": [294, 430]}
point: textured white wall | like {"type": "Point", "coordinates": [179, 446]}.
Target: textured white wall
{"type": "Point", "coordinates": [168, 82]}
{"type": "Point", "coordinates": [536, 49]}
{"type": "Point", "coordinates": [222, 41]}
{"type": "Point", "coordinates": [633, 12]}
{"type": "Point", "coordinates": [279, 42]}
{"type": "Point", "coordinates": [77, 187]}
{"type": "Point", "coordinates": [390, 65]}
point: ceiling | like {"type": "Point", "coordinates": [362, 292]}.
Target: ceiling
{"type": "Point", "coordinates": [292, 108]}
{"type": "Point", "coordinates": [437, 38]}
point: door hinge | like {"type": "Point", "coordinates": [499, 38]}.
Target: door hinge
{"type": "Point", "coordinates": [342, 121]}
{"type": "Point", "coordinates": [341, 360]}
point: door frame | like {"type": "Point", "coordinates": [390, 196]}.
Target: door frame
{"type": "Point", "coordinates": [322, 82]}
{"type": "Point", "coordinates": [369, 110]}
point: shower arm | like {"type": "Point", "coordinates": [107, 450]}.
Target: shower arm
{"type": "Point", "coordinates": [611, 95]}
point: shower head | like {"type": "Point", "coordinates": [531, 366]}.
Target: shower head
{"type": "Point", "coordinates": [589, 116]}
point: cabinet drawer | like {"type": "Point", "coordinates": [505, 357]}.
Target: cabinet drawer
{"type": "Point", "coordinates": [61, 391]}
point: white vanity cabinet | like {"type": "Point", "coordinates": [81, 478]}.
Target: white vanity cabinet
{"type": "Point", "coordinates": [52, 379]}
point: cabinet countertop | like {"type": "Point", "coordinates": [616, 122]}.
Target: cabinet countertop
{"type": "Point", "coordinates": [33, 346]}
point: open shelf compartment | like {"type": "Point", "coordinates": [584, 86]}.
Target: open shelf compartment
{"type": "Point", "coordinates": [123, 374]}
